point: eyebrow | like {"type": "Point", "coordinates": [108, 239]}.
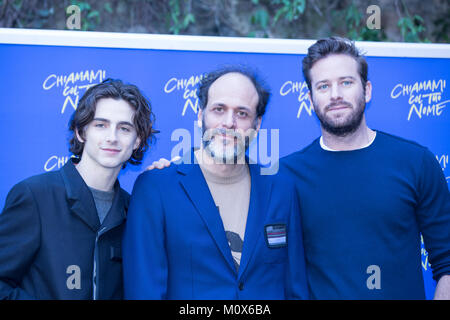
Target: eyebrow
{"type": "Point", "coordinates": [340, 78]}
{"type": "Point", "coordinates": [120, 122]}
{"type": "Point", "coordinates": [220, 104]}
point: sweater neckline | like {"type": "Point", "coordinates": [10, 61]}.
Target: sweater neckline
{"type": "Point", "coordinates": [368, 146]}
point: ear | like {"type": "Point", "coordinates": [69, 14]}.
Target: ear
{"type": "Point", "coordinates": [368, 95]}
{"type": "Point", "coordinates": [258, 123]}
{"type": "Point", "coordinates": [200, 118]}
{"type": "Point", "coordinates": [137, 143]}
{"type": "Point", "coordinates": [81, 140]}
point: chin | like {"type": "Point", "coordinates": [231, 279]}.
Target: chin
{"type": "Point", "coordinates": [225, 155]}
{"type": "Point", "coordinates": [111, 163]}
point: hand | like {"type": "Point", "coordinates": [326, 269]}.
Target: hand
{"type": "Point", "coordinates": [162, 163]}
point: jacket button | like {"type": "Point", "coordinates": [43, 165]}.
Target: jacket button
{"type": "Point", "coordinates": [241, 286]}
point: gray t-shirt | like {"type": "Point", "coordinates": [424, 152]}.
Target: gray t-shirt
{"type": "Point", "coordinates": [103, 202]}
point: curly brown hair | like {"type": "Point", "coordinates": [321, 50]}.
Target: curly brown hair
{"type": "Point", "coordinates": [110, 88]}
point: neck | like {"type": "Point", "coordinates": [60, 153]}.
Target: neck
{"type": "Point", "coordinates": [219, 169]}
{"type": "Point", "coordinates": [355, 140]}
{"type": "Point", "coordinates": [98, 178]}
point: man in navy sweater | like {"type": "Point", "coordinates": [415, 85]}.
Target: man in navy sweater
{"type": "Point", "coordinates": [365, 196]}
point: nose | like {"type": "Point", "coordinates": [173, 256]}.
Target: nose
{"type": "Point", "coordinates": [229, 120]}
{"type": "Point", "coordinates": [335, 92]}
{"type": "Point", "coordinates": [111, 136]}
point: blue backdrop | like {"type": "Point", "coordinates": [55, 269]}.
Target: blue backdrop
{"type": "Point", "coordinates": [40, 86]}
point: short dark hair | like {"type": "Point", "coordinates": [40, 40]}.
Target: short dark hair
{"type": "Point", "coordinates": [110, 88]}
{"type": "Point", "coordinates": [261, 88]}
{"type": "Point", "coordinates": [333, 45]}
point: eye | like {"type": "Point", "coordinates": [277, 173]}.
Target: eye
{"type": "Point", "coordinates": [323, 86]}
{"type": "Point", "coordinates": [99, 125]}
{"type": "Point", "coordinates": [125, 129]}
{"type": "Point", "coordinates": [347, 83]}
{"type": "Point", "coordinates": [242, 114]}
{"type": "Point", "coordinates": [218, 109]}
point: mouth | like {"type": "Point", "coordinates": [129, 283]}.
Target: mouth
{"type": "Point", "coordinates": [111, 150]}
{"type": "Point", "coordinates": [338, 107]}
{"type": "Point", "coordinates": [225, 139]}
{"type": "Point", "coordinates": [228, 137]}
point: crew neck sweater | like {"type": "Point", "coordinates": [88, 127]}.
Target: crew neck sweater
{"type": "Point", "coordinates": [362, 215]}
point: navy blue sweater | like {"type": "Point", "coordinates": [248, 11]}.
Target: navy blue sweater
{"type": "Point", "coordinates": [365, 209]}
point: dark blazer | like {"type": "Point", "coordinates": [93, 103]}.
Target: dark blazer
{"type": "Point", "coordinates": [50, 235]}
{"type": "Point", "coordinates": [175, 245]}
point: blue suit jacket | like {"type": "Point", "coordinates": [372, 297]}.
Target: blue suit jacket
{"type": "Point", "coordinates": [175, 246]}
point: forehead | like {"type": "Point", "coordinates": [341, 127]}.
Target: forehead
{"type": "Point", "coordinates": [333, 67]}
{"type": "Point", "coordinates": [114, 110]}
{"type": "Point", "coordinates": [233, 89]}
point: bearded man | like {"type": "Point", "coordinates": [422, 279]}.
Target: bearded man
{"type": "Point", "coordinates": [365, 195]}
{"type": "Point", "coordinates": [218, 228]}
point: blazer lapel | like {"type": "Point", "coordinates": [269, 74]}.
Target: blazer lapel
{"type": "Point", "coordinates": [80, 198]}
{"type": "Point", "coordinates": [197, 189]}
{"type": "Point", "coordinates": [259, 196]}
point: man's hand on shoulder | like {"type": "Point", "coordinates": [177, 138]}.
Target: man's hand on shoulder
{"type": "Point", "coordinates": [162, 163]}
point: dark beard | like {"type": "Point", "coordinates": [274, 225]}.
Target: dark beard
{"type": "Point", "coordinates": [347, 128]}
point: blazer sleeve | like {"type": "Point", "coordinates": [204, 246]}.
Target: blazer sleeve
{"type": "Point", "coordinates": [144, 256]}
{"type": "Point", "coordinates": [296, 282]}
{"type": "Point", "coordinates": [19, 240]}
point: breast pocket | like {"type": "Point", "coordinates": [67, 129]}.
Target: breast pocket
{"type": "Point", "coordinates": [275, 255]}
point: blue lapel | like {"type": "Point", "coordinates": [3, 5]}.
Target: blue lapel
{"type": "Point", "coordinates": [198, 192]}
{"type": "Point", "coordinates": [260, 194]}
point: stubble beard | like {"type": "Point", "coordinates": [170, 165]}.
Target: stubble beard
{"type": "Point", "coordinates": [349, 126]}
